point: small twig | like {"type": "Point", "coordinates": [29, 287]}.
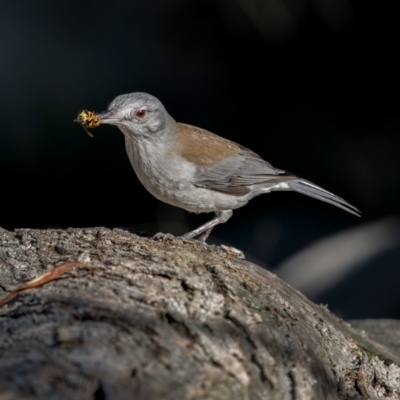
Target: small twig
{"type": "Point", "coordinates": [42, 279]}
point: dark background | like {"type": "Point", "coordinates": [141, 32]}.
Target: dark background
{"type": "Point", "coordinates": [311, 85]}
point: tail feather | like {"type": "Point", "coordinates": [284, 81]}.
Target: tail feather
{"type": "Point", "coordinates": [309, 189]}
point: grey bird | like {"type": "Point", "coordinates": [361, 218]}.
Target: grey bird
{"type": "Point", "coordinates": [194, 169]}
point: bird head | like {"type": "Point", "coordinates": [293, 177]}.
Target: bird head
{"type": "Point", "coordinates": [138, 115]}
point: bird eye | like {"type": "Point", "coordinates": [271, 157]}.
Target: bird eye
{"type": "Point", "coordinates": [140, 113]}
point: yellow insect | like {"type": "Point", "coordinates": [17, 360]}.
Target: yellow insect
{"type": "Point", "coordinates": [88, 119]}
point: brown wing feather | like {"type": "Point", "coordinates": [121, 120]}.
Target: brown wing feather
{"type": "Point", "coordinates": [201, 147]}
{"type": "Point", "coordinates": [223, 165]}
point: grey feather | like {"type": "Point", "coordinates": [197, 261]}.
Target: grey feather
{"type": "Point", "coordinates": [242, 169]}
{"type": "Point", "coordinates": [308, 188]}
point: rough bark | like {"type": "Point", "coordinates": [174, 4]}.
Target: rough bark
{"type": "Point", "coordinates": [172, 320]}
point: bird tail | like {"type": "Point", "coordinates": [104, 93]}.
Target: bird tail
{"type": "Point", "coordinates": [309, 189]}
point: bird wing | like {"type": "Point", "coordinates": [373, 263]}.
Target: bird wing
{"type": "Point", "coordinates": [237, 172]}
{"type": "Point", "coordinates": [228, 167]}
{"type": "Point", "coordinates": [222, 164]}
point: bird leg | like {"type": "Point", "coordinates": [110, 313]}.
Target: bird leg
{"type": "Point", "coordinates": [205, 230]}
{"type": "Point", "coordinates": [203, 237]}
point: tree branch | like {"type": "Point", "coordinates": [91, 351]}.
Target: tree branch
{"type": "Point", "coordinates": [171, 320]}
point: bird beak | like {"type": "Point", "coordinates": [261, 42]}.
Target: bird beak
{"type": "Point", "coordinates": [106, 117]}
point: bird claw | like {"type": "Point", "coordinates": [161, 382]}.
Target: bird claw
{"type": "Point", "coordinates": [163, 236]}
{"type": "Point", "coordinates": [168, 236]}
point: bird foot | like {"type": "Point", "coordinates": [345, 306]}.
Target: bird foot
{"type": "Point", "coordinates": [201, 240]}
{"type": "Point", "coordinates": [209, 247]}
{"type": "Point", "coordinates": [163, 236]}
{"type": "Point", "coordinates": [160, 236]}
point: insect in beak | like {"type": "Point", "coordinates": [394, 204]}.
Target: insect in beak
{"type": "Point", "coordinates": [88, 119]}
